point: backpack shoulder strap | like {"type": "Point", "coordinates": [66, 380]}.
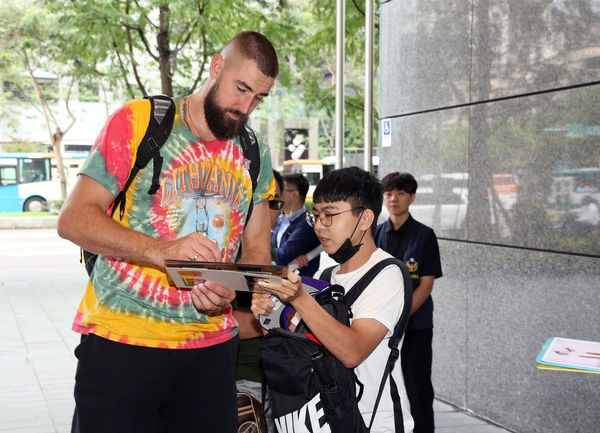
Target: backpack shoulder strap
{"type": "Point", "coordinates": [393, 344]}
{"type": "Point", "coordinates": [162, 115]}
{"type": "Point", "coordinates": [249, 144]}
{"type": "Point", "coordinates": [351, 296]}
{"type": "Point", "coordinates": [326, 274]}
{"type": "Point", "coordinates": [251, 152]}
{"type": "Point", "coordinates": [356, 290]}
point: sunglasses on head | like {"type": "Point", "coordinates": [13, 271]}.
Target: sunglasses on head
{"type": "Point", "coordinates": [275, 204]}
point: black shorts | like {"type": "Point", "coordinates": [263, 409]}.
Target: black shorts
{"type": "Point", "coordinates": [126, 388]}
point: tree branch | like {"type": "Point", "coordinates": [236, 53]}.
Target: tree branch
{"type": "Point", "coordinates": [204, 60]}
{"type": "Point", "coordinates": [186, 39]}
{"type": "Point", "coordinates": [358, 9]}
{"type": "Point", "coordinates": [123, 71]}
{"type": "Point", "coordinates": [26, 97]}
{"type": "Point", "coordinates": [133, 64]}
{"type": "Point", "coordinates": [145, 42]}
{"type": "Point", "coordinates": [363, 14]}
{"type": "Point", "coordinates": [47, 113]}
{"type": "Point", "coordinates": [144, 15]}
{"type": "Point", "coordinates": [68, 97]}
{"type": "Point", "coordinates": [139, 31]}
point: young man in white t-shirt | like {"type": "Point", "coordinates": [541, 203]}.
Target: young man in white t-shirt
{"type": "Point", "coordinates": [347, 203]}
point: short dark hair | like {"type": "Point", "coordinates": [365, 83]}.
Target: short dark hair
{"type": "Point", "coordinates": [255, 46]}
{"type": "Point", "coordinates": [278, 179]}
{"type": "Point", "coordinates": [400, 181]}
{"type": "Point", "coordinates": [299, 181]}
{"type": "Point", "coordinates": [353, 185]}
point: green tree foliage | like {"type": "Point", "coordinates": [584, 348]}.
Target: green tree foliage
{"type": "Point", "coordinates": [313, 67]}
{"type": "Point", "coordinates": [134, 47]}
{"type": "Point", "coordinates": [32, 65]}
{"type": "Point", "coordinates": [162, 46]}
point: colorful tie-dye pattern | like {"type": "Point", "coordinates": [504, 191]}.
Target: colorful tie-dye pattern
{"type": "Point", "coordinates": [204, 187]}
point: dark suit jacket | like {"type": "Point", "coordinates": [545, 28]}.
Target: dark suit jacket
{"type": "Point", "coordinates": [299, 238]}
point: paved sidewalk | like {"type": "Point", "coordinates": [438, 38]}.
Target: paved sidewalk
{"type": "Point", "coordinates": [28, 222]}
{"type": "Point", "coordinates": [41, 284]}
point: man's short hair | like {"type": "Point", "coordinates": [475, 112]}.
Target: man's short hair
{"type": "Point", "coordinates": [299, 182]}
{"type": "Point", "coordinates": [278, 179]}
{"type": "Point", "coordinates": [353, 185]}
{"type": "Point", "coordinates": [255, 46]}
{"type": "Point", "coordinates": [400, 181]}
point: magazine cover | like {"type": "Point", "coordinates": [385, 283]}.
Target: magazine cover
{"type": "Point", "coordinates": [568, 353]}
{"type": "Point", "coordinates": [237, 276]}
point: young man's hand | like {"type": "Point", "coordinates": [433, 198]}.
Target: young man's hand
{"type": "Point", "coordinates": [261, 304]}
{"type": "Point", "coordinates": [288, 291]}
{"type": "Point", "coordinates": [300, 261]}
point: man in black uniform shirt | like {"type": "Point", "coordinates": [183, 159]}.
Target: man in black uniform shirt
{"type": "Point", "coordinates": [416, 245]}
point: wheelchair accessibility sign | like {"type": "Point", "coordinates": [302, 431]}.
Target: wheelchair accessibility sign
{"type": "Point", "coordinates": [386, 138]}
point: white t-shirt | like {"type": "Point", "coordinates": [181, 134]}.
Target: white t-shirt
{"type": "Point", "coordinates": [382, 300]}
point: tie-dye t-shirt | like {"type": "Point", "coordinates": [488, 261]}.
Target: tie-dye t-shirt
{"type": "Point", "coordinates": [204, 187]}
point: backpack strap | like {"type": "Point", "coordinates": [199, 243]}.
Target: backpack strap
{"type": "Point", "coordinates": [394, 341]}
{"type": "Point", "coordinates": [393, 344]}
{"type": "Point", "coordinates": [162, 115]}
{"type": "Point", "coordinates": [356, 290]}
{"type": "Point", "coordinates": [251, 152]}
{"type": "Point", "coordinates": [326, 274]}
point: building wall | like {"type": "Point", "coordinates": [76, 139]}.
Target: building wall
{"type": "Point", "coordinates": [495, 107]}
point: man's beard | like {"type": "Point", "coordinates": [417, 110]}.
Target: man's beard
{"type": "Point", "coordinates": [222, 126]}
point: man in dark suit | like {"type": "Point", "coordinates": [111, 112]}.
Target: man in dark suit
{"type": "Point", "coordinates": [292, 237]}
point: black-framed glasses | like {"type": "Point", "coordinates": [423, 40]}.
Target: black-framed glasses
{"type": "Point", "coordinates": [326, 218]}
{"type": "Point", "coordinates": [275, 204]}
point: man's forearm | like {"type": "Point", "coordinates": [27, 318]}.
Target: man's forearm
{"type": "Point", "coordinates": [249, 326]}
{"type": "Point", "coordinates": [256, 239]}
{"type": "Point", "coordinates": [255, 255]}
{"type": "Point", "coordinates": [96, 232]}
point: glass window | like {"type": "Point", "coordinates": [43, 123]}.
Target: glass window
{"type": "Point", "coordinates": [34, 170]}
{"type": "Point", "coordinates": [8, 176]}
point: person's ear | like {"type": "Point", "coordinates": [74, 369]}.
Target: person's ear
{"type": "Point", "coordinates": [217, 65]}
{"type": "Point", "coordinates": [366, 219]}
{"type": "Point", "coordinates": [412, 197]}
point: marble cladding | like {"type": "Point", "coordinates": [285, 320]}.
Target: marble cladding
{"type": "Point", "coordinates": [494, 309]}
{"type": "Point", "coordinates": [446, 53]}
{"type": "Point", "coordinates": [424, 55]}
{"type": "Point", "coordinates": [434, 147]}
{"type": "Point", "coordinates": [494, 107]}
{"type": "Point", "coordinates": [525, 46]}
{"type": "Point", "coordinates": [523, 172]}
{"type": "Point", "coordinates": [449, 372]}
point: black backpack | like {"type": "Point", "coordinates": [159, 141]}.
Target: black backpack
{"type": "Point", "coordinates": [162, 116]}
{"type": "Point", "coordinates": [309, 386]}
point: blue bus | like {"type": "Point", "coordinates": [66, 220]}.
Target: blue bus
{"type": "Point", "coordinates": [28, 181]}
